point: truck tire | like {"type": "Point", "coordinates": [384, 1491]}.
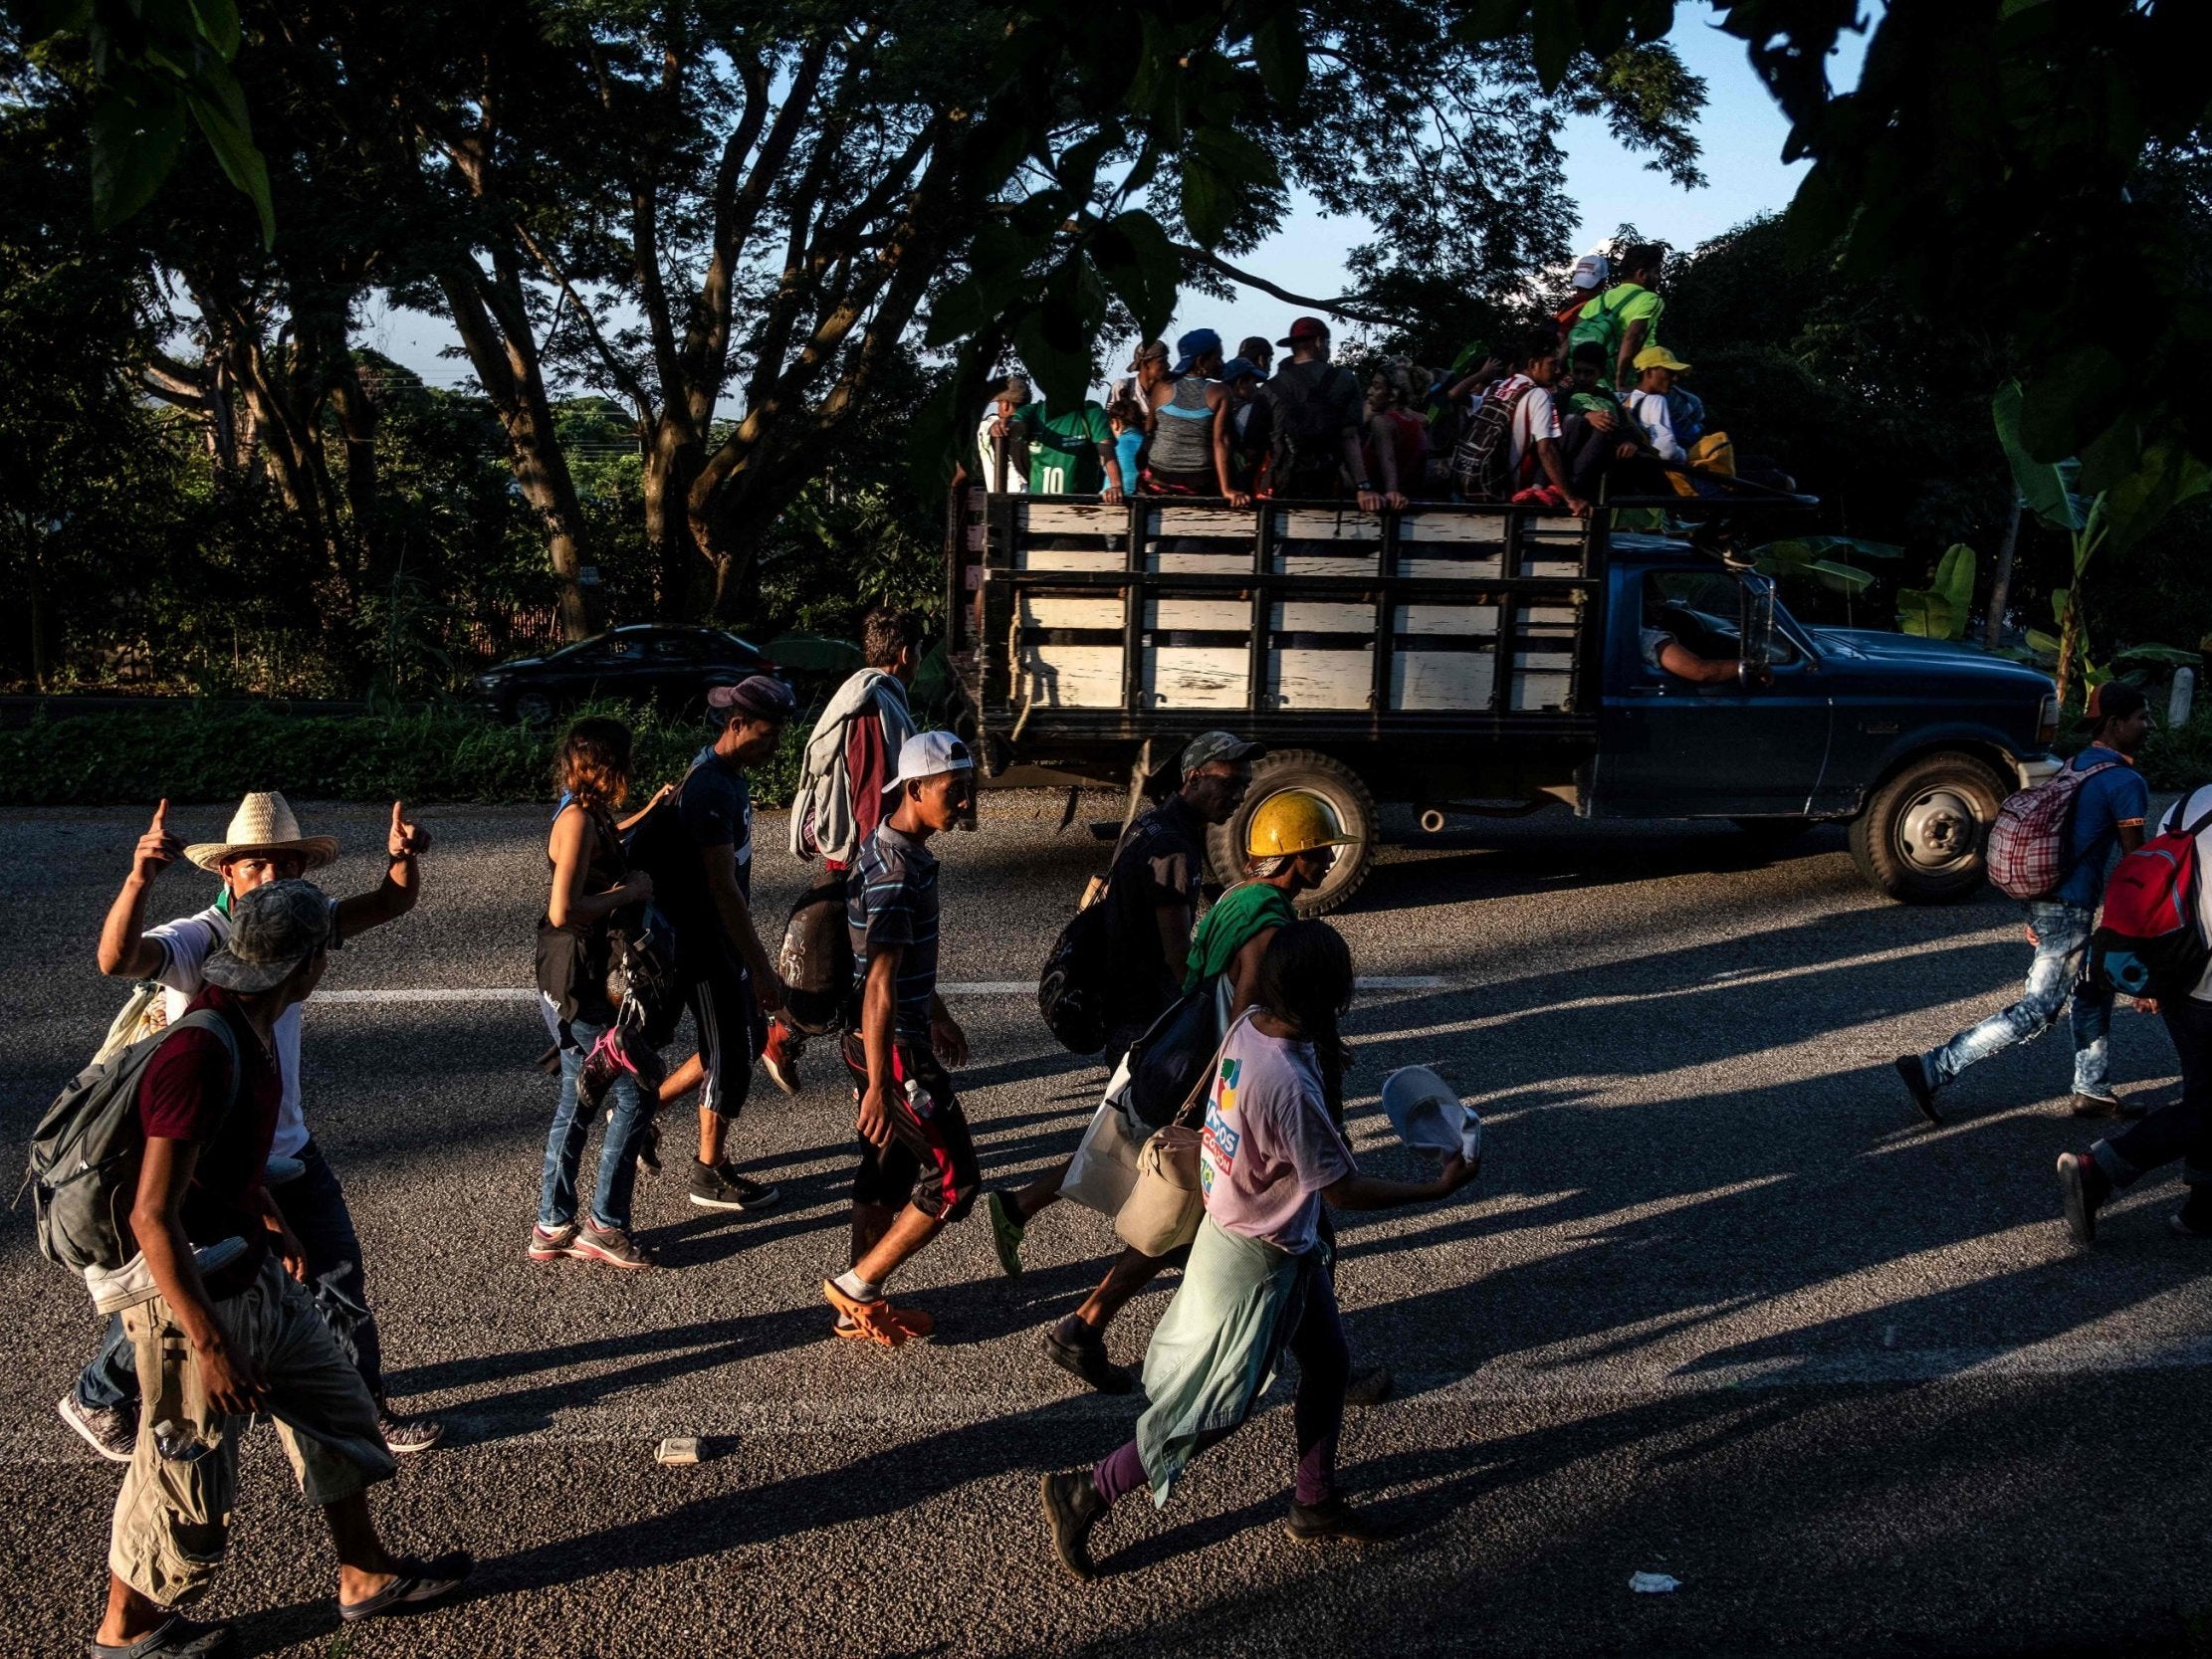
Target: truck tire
{"type": "Point", "coordinates": [1333, 781]}
{"type": "Point", "coordinates": [1921, 835]}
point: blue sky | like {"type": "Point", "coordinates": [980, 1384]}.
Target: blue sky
{"type": "Point", "coordinates": [1742, 135]}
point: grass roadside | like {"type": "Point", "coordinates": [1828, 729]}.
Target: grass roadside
{"type": "Point", "coordinates": [200, 755]}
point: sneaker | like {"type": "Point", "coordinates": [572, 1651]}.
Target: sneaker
{"type": "Point", "coordinates": [1332, 1521]}
{"type": "Point", "coordinates": [404, 1436]}
{"type": "Point", "coordinates": [915, 1323]}
{"type": "Point", "coordinates": [780, 1056]}
{"type": "Point", "coordinates": [174, 1638]}
{"type": "Point", "coordinates": [111, 1431]}
{"type": "Point", "coordinates": [875, 1322]}
{"type": "Point", "coordinates": [2083, 1187]}
{"type": "Point", "coordinates": [1914, 1071]}
{"type": "Point", "coordinates": [610, 1245]}
{"type": "Point", "coordinates": [2106, 1106]}
{"type": "Point", "coordinates": [549, 1244]}
{"type": "Point", "coordinates": [1369, 1387]}
{"type": "Point", "coordinates": [1082, 1353]}
{"type": "Point", "coordinates": [1006, 1234]}
{"type": "Point", "coordinates": [717, 1186]}
{"type": "Point", "coordinates": [1072, 1507]}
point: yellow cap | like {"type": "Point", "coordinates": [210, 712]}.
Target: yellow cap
{"type": "Point", "coordinates": [1658, 356]}
{"type": "Point", "coordinates": [1295, 821]}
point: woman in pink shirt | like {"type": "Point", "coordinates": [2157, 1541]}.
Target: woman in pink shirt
{"type": "Point", "coordinates": [1258, 1283]}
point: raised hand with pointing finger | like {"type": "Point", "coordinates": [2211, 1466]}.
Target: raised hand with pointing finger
{"type": "Point", "coordinates": [407, 840]}
{"type": "Point", "coordinates": [157, 848]}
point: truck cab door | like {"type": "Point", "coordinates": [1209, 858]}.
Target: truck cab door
{"type": "Point", "coordinates": [1672, 749]}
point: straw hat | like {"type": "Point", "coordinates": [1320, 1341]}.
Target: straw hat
{"type": "Point", "coordinates": [264, 823]}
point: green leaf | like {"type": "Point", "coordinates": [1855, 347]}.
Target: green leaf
{"type": "Point", "coordinates": [1843, 578]}
{"type": "Point", "coordinates": [2078, 394]}
{"type": "Point", "coordinates": [1281, 50]}
{"type": "Point", "coordinates": [1954, 579]}
{"type": "Point", "coordinates": [1222, 169]}
{"type": "Point", "coordinates": [234, 148]}
{"type": "Point", "coordinates": [135, 144]}
{"type": "Point", "coordinates": [2059, 599]}
{"type": "Point", "coordinates": [2042, 484]}
{"type": "Point", "coordinates": [2162, 656]}
{"type": "Point", "coordinates": [2165, 477]}
{"type": "Point", "coordinates": [1927, 614]}
{"type": "Point", "coordinates": [2046, 644]}
{"type": "Point", "coordinates": [1139, 263]}
{"type": "Point", "coordinates": [218, 25]}
{"type": "Point", "coordinates": [961, 311]}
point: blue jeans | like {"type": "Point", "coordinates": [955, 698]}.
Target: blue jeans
{"type": "Point", "coordinates": [571, 1127]}
{"type": "Point", "coordinates": [313, 1207]}
{"type": "Point", "coordinates": [2062, 951]}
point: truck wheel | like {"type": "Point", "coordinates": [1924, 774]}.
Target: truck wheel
{"type": "Point", "coordinates": [1920, 836]}
{"type": "Point", "coordinates": [1333, 781]}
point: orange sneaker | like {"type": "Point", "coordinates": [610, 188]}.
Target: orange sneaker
{"type": "Point", "coordinates": [876, 1322]}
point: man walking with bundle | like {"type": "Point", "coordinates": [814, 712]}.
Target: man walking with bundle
{"type": "Point", "coordinates": [839, 803]}
{"type": "Point", "coordinates": [263, 844]}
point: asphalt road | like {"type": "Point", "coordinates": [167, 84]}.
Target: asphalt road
{"type": "Point", "coordinates": [1715, 1309]}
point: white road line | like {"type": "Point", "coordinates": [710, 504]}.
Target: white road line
{"type": "Point", "coordinates": [971, 987]}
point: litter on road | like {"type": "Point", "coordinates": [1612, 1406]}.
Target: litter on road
{"type": "Point", "coordinates": [1653, 1583]}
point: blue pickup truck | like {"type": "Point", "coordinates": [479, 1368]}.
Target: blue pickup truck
{"type": "Point", "coordinates": [1463, 658]}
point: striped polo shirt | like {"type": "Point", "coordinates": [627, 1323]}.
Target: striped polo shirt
{"type": "Point", "coordinates": [891, 905]}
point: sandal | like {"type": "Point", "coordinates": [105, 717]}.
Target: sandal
{"type": "Point", "coordinates": [173, 1638]}
{"type": "Point", "coordinates": [419, 1582]}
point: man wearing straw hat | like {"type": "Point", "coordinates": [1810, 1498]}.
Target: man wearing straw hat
{"type": "Point", "coordinates": [263, 844]}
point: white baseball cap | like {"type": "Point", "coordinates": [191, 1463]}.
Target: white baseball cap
{"type": "Point", "coordinates": [929, 755]}
{"type": "Point", "coordinates": [1591, 270]}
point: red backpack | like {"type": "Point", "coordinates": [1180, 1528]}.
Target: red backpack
{"type": "Point", "coordinates": [2149, 943]}
{"type": "Point", "coordinates": [2027, 843]}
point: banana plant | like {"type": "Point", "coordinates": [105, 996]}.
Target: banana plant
{"type": "Point", "coordinates": [1939, 612]}
{"type": "Point", "coordinates": [1825, 560]}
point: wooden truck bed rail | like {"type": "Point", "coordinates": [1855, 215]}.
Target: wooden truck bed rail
{"type": "Point", "coordinates": [1075, 622]}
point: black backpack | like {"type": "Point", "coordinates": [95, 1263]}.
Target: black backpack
{"type": "Point", "coordinates": [1482, 460]}
{"type": "Point", "coordinates": [1305, 446]}
{"type": "Point", "coordinates": [1072, 988]}
{"type": "Point", "coordinates": [84, 1152]}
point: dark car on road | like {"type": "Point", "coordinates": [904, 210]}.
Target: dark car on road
{"type": "Point", "coordinates": [666, 664]}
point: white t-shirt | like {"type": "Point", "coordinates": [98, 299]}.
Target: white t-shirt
{"type": "Point", "coordinates": [1536, 418]}
{"type": "Point", "coordinates": [1018, 470]}
{"type": "Point", "coordinates": [1652, 413]}
{"type": "Point", "coordinates": [187, 943]}
{"type": "Point", "coordinates": [1270, 1148]}
{"type": "Point", "coordinates": [2184, 812]}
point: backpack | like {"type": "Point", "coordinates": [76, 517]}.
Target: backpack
{"type": "Point", "coordinates": [1305, 445]}
{"type": "Point", "coordinates": [1482, 461]}
{"type": "Point", "coordinates": [656, 842]}
{"type": "Point", "coordinates": [815, 964]}
{"type": "Point", "coordinates": [1600, 319]}
{"type": "Point", "coordinates": [2149, 943]}
{"type": "Point", "coordinates": [84, 1167]}
{"type": "Point", "coordinates": [2027, 843]}
{"type": "Point", "coordinates": [1072, 988]}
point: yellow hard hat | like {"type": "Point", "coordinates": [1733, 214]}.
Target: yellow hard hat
{"type": "Point", "coordinates": [1295, 821]}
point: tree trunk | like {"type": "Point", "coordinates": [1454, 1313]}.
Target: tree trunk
{"type": "Point", "coordinates": [2000, 585]}
{"type": "Point", "coordinates": [505, 357]}
{"type": "Point", "coordinates": [683, 586]}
